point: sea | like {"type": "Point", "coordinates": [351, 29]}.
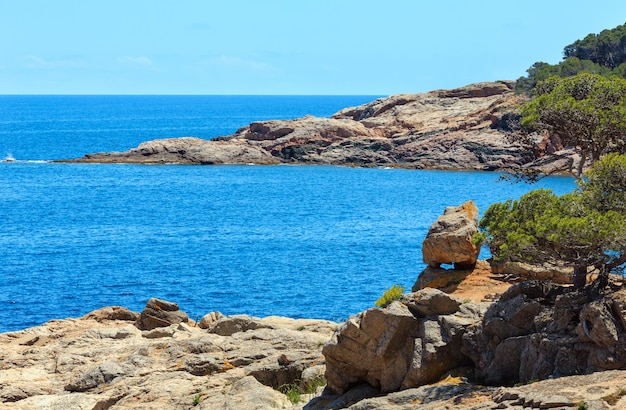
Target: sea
{"type": "Point", "coordinates": [289, 240]}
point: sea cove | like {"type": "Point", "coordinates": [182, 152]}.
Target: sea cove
{"type": "Point", "coordinates": [298, 241]}
{"type": "Point", "coordinates": [290, 240]}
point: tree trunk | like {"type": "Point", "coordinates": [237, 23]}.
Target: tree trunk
{"type": "Point", "coordinates": [580, 276]}
{"type": "Point", "coordinates": [581, 164]}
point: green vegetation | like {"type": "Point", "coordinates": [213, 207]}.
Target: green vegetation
{"type": "Point", "coordinates": [196, 400]}
{"type": "Point", "coordinates": [603, 54]}
{"type": "Point", "coordinates": [586, 111]}
{"type": "Point", "coordinates": [582, 405]}
{"type": "Point", "coordinates": [294, 391]}
{"type": "Point", "coordinates": [585, 229]}
{"type": "Point", "coordinates": [391, 294]}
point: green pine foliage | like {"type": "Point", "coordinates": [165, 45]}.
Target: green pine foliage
{"type": "Point", "coordinates": [602, 54]}
{"type": "Point", "coordinates": [585, 228]}
{"type": "Point", "coordinates": [586, 111]}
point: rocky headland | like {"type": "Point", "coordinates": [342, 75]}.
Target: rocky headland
{"type": "Point", "coordinates": [460, 129]}
{"type": "Point", "coordinates": [464, 338]}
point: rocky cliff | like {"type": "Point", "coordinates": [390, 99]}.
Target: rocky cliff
{"type": "Point", "coordinates": [460, 129]}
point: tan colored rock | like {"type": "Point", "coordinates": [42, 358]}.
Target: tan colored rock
{"type": "Point", "coordinates": [247, 393]}
{"type": "Point", "coordinates": [476, 284]}
{"type": "Point", "coordinates": [375, 347]}
{"type": "Point", "coordinates": [228, 325]}
{"type": "Point", "coordinates": [429, 302]}
{"type": "Point", "coordinates": [410, 343]}
{"type": "Point", "coordinates": [209, 320]}
{"type": "Point", "coordinates": [554, 274]}
{"type": "Point", "coordinates": [96, 363]}
{"type": "Point", "coordinates": [596, 391]}
{"type": "Point", "coordinates": [187, 150]}
{"type": "Point", "coordinates": [112, 313]}
{"type": "Point", "coordinates": [538, 330]}
{"type": "Point", "coordinates": [449, 239]}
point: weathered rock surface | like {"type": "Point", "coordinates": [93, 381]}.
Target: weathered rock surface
{"type": "Point", "coordinates": [539, 330]}
{"type": "Point", "coordinates": [449, 239]}
{"type": "Point", "coordinates": [104, 361]}
{"type": "Point", "coordinates": [597, 391]}
{"type": "Point", "coordinates": [444, 129]}
{"type": "Point", "coordinates": [428, 349]}
{"type": "Point", "coordinates": [417, 345]}
{"type": "Point", "coordinates": [187, 150]}
{"type": "Point", "coordinates": [554, 274]}
{"type": "Point", "coordinates": [410, 343]}
{"type": "Point", "coordinates": [477, 284]}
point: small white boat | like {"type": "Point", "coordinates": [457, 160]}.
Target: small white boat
{"type": "Point", "coordinates": [8, 158]}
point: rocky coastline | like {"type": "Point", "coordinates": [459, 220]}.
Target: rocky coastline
{"type": "Point", "coordinates": [464, 338]}
{"type": "Point", "coordinates": [460, 129]}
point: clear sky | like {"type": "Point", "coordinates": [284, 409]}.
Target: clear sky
{"type": "Point", "coordinates": [366, 47]}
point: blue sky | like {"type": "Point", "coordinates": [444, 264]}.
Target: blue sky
{"type": "Point", "coordinates": [283, 46]}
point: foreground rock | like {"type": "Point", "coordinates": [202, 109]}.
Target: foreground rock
{"type": "Point", "coordinates": [427, 349]}
{"type": "Point", "coordinates": [408, 344]}
{"type": "Point", "coordinates": [604, 390]}
{"type": "Point", "coordinates": [444, 129]}
{"type": "Point", "coordinates": [104, 361]}
{"type": "Point", "coordinates": [431, 348]}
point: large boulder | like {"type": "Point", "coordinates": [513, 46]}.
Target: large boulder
{"type": "Point", "coordinates": [449, 239]}
{"type": "Point", "coordinates": [412, 342]}
{"type": "Point", "coordinates": [160, 313]}
{"type": "Point", "coordinates": [375, 347]}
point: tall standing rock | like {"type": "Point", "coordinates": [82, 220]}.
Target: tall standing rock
{"type": "Point", "coordinates": [449, 239]}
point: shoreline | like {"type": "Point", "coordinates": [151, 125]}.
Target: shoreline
{"type": "Point", "coordinates": [452, 130]}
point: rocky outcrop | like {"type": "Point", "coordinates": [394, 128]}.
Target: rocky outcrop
{"type": "Point", "coordinates": [534, 330]}
{"type": "Point", "coordinates": [187, 150]}
{"type": "Point", "coordinates": [427, 349]}
{"type": "Point", "coordinates": [445, 129]}
{"type": "Point", "coordinates": [160, 313]}
{"type": "Point", "coordinates": [556, 274]}
{"type": "Point", "coordinates": [539, 330]}
{"type": "Point", "coordinates": [450, 238]}
{"type": "Point", "coordinates": [410, 343]}
{"type": "Point", "coordinates": [104, 361]}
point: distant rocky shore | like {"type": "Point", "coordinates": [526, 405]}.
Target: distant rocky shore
{"type": "Point", "coordinates": [460, 129]}
{"type": "Point", "coordinates": [463, 338]}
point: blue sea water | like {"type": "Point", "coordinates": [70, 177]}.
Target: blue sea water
{"type": "Point", "coordinates": [299, 241]}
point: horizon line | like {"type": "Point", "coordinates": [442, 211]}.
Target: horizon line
{"type": "Point", "coordinates": [191, 95]}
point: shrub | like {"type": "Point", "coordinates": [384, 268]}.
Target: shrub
{"type": "Point", "coordinates": [391, 294]}
{"type": "Point", "coordinates": [292, 391]}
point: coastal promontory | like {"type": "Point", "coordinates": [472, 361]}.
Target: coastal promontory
{"type": "Point", "coordinates": [459, 129]}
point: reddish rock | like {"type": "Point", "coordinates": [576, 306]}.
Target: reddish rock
{"type": "Point", "coordinates": [456, 129]}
